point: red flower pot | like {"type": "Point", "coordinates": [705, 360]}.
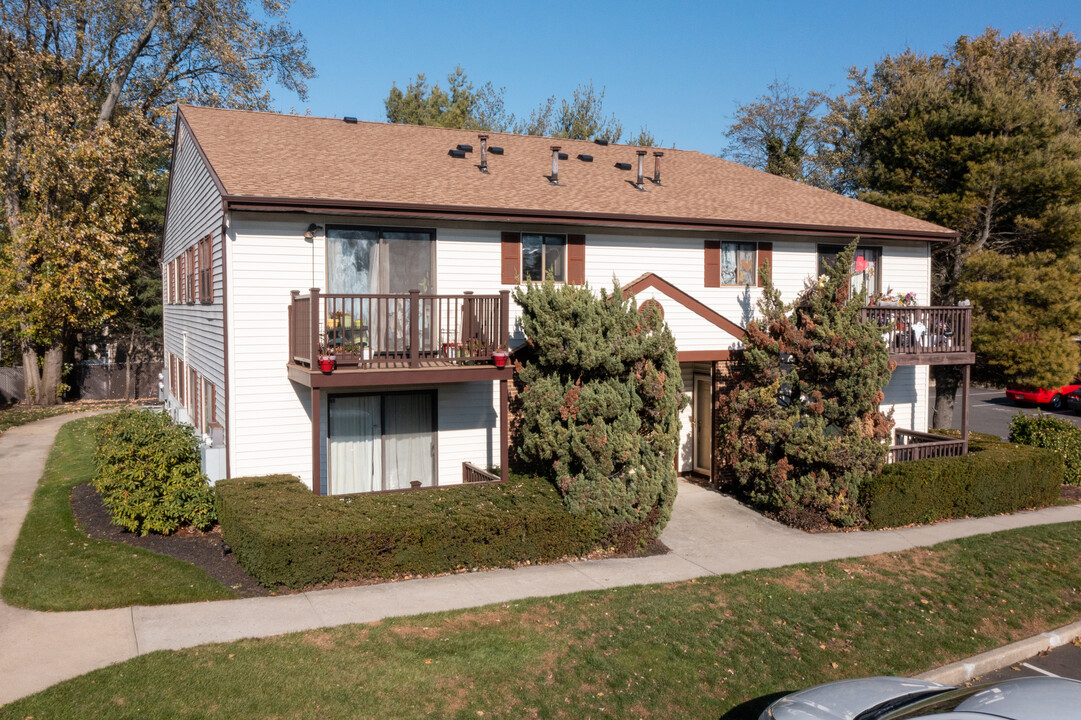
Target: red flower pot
{"type": "Point", "coordinates": [326, 363]}
{"type": "Point", "coordinates": [500, 359]}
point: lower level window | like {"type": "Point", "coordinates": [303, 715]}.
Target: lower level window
{"type": "Point", "coordinates": [380, 442]}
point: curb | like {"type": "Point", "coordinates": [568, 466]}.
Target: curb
{"type": "Point", "coordinates": [960, 672]}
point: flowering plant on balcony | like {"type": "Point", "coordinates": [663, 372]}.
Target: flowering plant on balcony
{"type": "Point", "coordinates": [890, 297]}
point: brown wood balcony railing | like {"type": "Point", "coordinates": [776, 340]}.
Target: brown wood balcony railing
{"type": "Point", "coordinates": [927, 332]}
{"type": "Point", "coordinates": [397, 331]}
{"type": "Point", "coordinates": [915, 445]}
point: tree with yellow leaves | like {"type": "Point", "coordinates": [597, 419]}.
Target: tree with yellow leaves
{"type": "Point", "coordinates": [86, 90]}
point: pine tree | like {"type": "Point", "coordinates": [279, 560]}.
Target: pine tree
{"type": "Point", "coordinates": [800, 425]}
{"type": "Point", "coordinates": [1026, 309]}
{"type": "Point", "coordinates": [600, 405]}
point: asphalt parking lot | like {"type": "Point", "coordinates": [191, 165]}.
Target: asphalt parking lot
{"type": "Point", "coordinates": [990, 411]}
{"type": "Point", "coordinates": [1063, 661]}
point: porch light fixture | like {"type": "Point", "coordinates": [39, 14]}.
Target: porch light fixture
{"type": "Point", "coordinates": [309, 235]}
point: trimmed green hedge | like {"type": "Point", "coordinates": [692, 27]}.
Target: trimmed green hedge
{"type": "Point", "coordinates": [282, 534]}
{"type": "Point", "coordinates": [148, 473]}
{"type": "Point", "coordinates": [1059, 436]}
{"type": "Point", "coordinates": [994, 478]}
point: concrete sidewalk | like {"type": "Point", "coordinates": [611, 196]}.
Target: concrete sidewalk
{"type": "Point", "coordinates": [709, 534]}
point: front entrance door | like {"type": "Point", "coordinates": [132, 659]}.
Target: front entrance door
{"type": "Point", "coordinates": [703, 425]}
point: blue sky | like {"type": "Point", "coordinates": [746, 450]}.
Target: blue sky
{"type": "Point", "coordinates": [679, 68]}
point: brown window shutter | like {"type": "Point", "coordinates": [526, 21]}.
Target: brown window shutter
{"type": "Point", "coordinates": [511, 267]}
{"type": "Point", "coordinates": [765, 255]}
{"type": "Point", "coordinates": [713, 263]}
{"type": "Point", "coordinates": [213, 403]}
{"type": "Point", "coordinates": [576, 259]}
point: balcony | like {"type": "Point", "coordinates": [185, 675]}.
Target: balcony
{"type": "Point", "coordinates": [925, 335]}
{"type": "Point", "coordinates": [396, 339]}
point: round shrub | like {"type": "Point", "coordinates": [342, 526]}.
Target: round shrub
{"type": "Point", "coordinates": [149, 473]}
{"type": "Point", "coordinates": [1059, 436]}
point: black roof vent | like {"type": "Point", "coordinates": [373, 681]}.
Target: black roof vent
{"type": "Point", "coordinates": [465, 148]}
{"type": "Point", "coordinates": [563, 156]}
{"type": "Point", "coordinates": [349, 119]}
{"type": "Point", "coordinates": [585, 158]}
{"type": "Point", "coordinates": [461, 154]}
{"type": "Point", "coordinates": [623, 166]}
{"type": "Point", "coordinates": [495, 150]}
{"type": "Point", "coordinates": [600, 142]}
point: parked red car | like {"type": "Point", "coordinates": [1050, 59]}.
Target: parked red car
{"type": "Point", "coordinates": [1054, 398]}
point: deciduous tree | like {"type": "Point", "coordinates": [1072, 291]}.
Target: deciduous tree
{"type": "Point", "coordinates": [781, 133]}
{"type": "Point", "coordinates": [85, 88]}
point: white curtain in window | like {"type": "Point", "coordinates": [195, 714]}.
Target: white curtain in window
{"type": "Point", "coordinates": [355, 452]}
{"type": "Point", "coordinates": [728, 263]}
{"type": "Point", "coordinates": [409, 440]}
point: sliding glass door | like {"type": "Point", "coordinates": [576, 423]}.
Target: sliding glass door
{"type": "Point", "coordinates": [380, 442]}
{"type": "Point", "coordinates": [376, 261]}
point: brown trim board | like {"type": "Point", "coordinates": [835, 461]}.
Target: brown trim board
{"type": "Point", "coordinates": [397, 209]}
{"type": "Point", "coordinates": [655, 281]}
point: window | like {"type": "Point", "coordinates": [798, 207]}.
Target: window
{"type": "Point", "coordinates": [378, 261]}
{"type": "Point", "coordinates": [542, 254]}
{"type": "Point", "coordinates": [738, 263]}
{"type": "Point", "coordinates": [866, 266]}
{"type": "Point", "coordinates": [189, 276]}
{"type": "Point", "coordinates": [206, 266]}
{"type": "Point", "coordinates": [380, 442]}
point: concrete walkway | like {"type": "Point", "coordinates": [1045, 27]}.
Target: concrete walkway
{"type": "Point", "coordinates": [709, 534]}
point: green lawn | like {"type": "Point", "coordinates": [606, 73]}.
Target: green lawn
{"type": "Point", "coordinates": [684, 650]}
{"type": "Point", "coordinates": [56, 567]}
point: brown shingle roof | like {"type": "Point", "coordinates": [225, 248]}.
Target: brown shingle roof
{"type": "Point", "coordinates": [307, 159]}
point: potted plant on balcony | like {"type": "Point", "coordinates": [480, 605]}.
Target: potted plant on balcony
{"type": "Point", "coordinates": [499, 358]}
{"type": "Point", "coordinates": [327, 358]}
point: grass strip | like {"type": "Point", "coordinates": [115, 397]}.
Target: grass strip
{"type": "Point", "coordinates": [56, 567]}
{"type": "Point", "coordinates": [698, 649]}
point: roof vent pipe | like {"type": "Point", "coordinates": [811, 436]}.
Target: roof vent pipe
{"type": "Point", "coordinates": [641, 159]}
{"type": "Point", "coordinates": [657, 167]}
{"type": "Point", "coordinates": [554, 177]}
{"type": "Point", "coordinates": [483, 153]}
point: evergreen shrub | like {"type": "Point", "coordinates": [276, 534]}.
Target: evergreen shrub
{"type": "Point", "coordinates": [800, 428]}
{"type": "Point", "coordinates": [149, 474]}
{"type": "Point", "coordinates": [994, 478]}
{"type": "Point", "coordinates": [1060, 436]}
{"type": "Point", "coordinates": [599, 405]}
{"type": "Point", "coordinates": [282, 534]}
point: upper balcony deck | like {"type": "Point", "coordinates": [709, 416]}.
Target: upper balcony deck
{"type": "Point", "coordinates": [396, 339]}
{"type": "Point", "coordinates": [925, 335]}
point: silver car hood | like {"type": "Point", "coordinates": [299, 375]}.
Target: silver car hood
{"type": "Point", "coordinates": [845, 699]}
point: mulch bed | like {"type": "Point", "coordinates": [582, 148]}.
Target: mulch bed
{"type": "Point", "coordinates": [202, 549]}
{"type": "Point", "coordinates": [1071, 493]}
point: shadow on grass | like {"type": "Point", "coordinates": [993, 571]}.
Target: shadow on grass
{"type": "Point", "coordinates": [751, 709]}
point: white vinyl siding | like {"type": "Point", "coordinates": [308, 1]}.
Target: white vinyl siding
{"type": "Point", "coordinates": [194, 332]}
{"type": "Point", "coordinates": [268, 257]}
{"type": "Point", "coordinates": [270, 417]}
